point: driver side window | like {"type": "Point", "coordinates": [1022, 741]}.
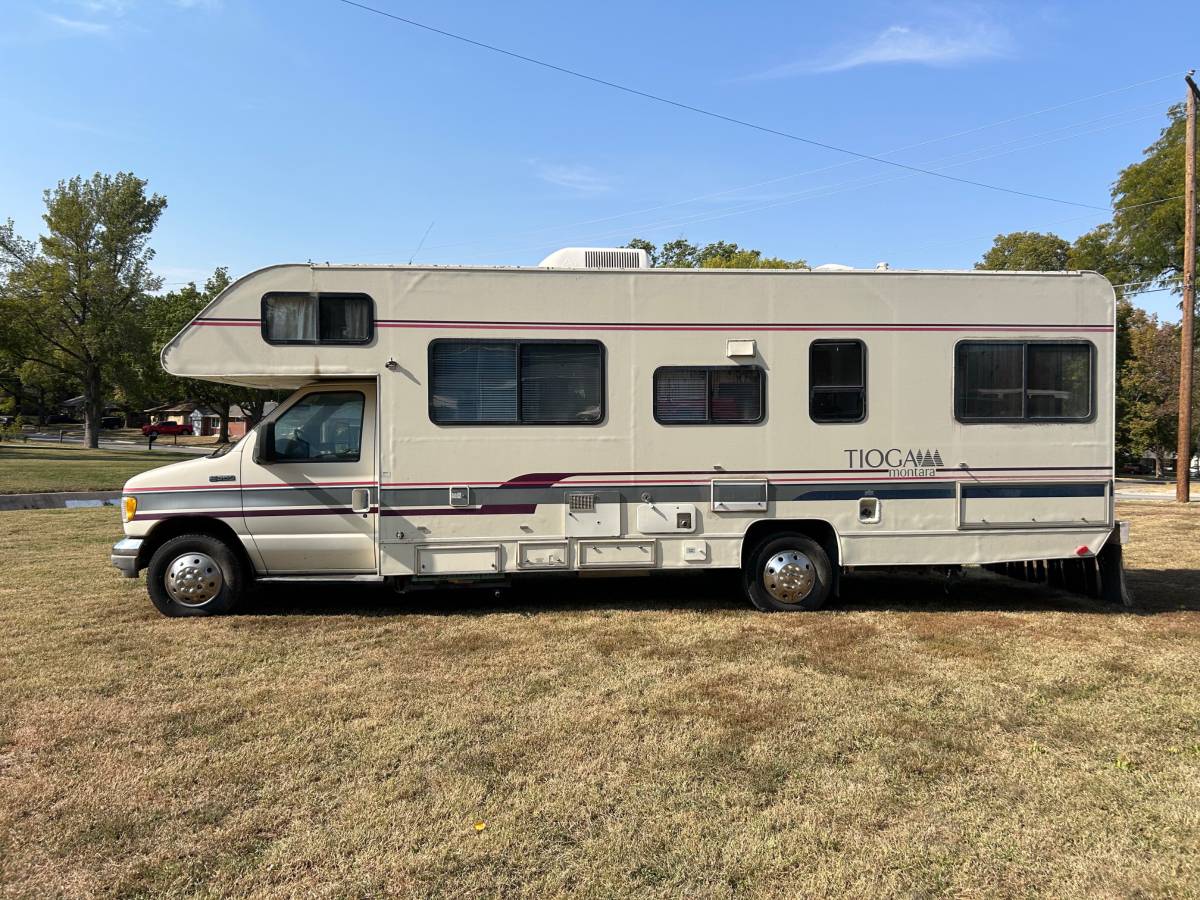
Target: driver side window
{"type": "Point", "coordinates": [322, 427]}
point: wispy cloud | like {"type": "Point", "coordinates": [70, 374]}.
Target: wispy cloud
{"type": "Point", "coordinates": [77, 26]}
{"type": "Point", "coordinates": [953, 42]}
{"type": "Point", "coordinates": [579, 178]}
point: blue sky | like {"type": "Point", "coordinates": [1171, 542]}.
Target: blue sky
{"type": "Point", "coordinates": [283, 131]}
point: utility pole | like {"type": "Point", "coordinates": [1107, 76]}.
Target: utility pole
{"type": "Point", "coordinates": [1187, 347]}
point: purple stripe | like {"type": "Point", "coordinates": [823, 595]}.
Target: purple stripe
{"type": "Point", "coordinates": [250, 513]}
{"type": "Point", "coordinates": [493, 509]}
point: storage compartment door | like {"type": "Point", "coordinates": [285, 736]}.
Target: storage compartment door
{"type": "Point", "coordinates": [1032, 505]}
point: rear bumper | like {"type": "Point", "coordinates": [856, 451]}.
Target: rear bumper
{"type": "Point", "coordinates": [125, 556]}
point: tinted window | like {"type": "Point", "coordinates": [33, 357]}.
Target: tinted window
{"type": "Point", "coordinates": [560, 383]}
{"type": "Point", "coordinates": [990, 381]}
{"type": "Point", "coordinates": [317, 318]}
{"type": "Point", "coordinates": [1059, 382]}
{"type": "Point", "coordinates": [681, 395]}
{"type": "Point", "coordinates": [473, 382]}
{"type": "Point", "coordinates": [1019, 381]}
{"type": "Point", "coordinates": [344, 319]}
{"type": "Point", "coordinates": [510, 382]}
{"type": "Point", "coordinates": [324, 427]}
{"type": "Point", "coordinates": [837, 378]}
{"type": "Point", "coordinates": [696, 395]}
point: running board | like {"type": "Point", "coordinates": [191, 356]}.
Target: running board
{"type": "Point", "coordinates": [356, 579]}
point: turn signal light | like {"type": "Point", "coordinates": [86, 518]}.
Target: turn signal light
{"type": "Point", "coordinates": [128, 508]}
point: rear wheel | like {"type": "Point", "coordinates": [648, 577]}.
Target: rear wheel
{"type": "Point", "coordinates": [788, 573]}
{"type": "Point", "coordinates": [194, 575]}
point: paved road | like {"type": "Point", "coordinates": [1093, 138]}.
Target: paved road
{"type": "Point", "coordinates": [59, 500]}
{"type": "Point", "coordinates": [1149, 495]}
{"type": "Point", "coordinates": [163, 443]}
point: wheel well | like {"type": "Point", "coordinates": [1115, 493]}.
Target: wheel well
{"type": "Point", "coordinates": [174, 527]}
{"type": "Point", "coordinates": [817, 529]}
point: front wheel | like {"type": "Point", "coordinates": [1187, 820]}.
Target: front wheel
{"type": "Point", "coordinates": [194, 575]}
{"type": "Point", "coordinates": [788, 573]}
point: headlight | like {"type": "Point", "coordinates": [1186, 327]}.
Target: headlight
{"type": "Point", "coordinates": [129, 508]}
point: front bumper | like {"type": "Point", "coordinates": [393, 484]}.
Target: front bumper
{"type": "Point", "coordinates": [125, 556]}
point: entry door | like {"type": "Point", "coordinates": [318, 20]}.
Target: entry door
{"type": "Point", "coordinates": [311, 503]}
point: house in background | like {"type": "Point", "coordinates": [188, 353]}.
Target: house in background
{"type": "Point", "coordinates": [114, 415]}
{"type": "Point", "coordinates": [204, 419]}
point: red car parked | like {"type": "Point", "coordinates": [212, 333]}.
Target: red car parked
{"type": "Point", "coordinates": [167, 428]}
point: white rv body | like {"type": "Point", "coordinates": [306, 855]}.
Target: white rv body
{"type": "Point", "coordinates": [910, 483]}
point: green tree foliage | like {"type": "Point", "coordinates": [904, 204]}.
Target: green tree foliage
{"type": "Point", "coordinates": [682, 254]}
{"type": "Point", "coordinates": [73, 302]}
{"type": "Point", "coordinates": [751, 259]}
{"type": "Point", "coordinates": [166, 316]}
{"type": "Point", "coordinates": [1148, 227]}
{"type": "Point", "coordinates": [1149, 388]}
{"type": "Point", "coordinates": [651, 249]}
{"type": "Point", "coordinates": [1027, 251]}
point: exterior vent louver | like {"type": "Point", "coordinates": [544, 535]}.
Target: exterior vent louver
{"type": "Point", "coordinates": [611, 259]}
{"type": "Point", "coordinates": [581, 502]}
{"type": "Point", "coordinates": [596, 258]}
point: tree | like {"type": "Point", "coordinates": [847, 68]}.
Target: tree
{"type": "Point", "coordinates": [1148, 388]}
{"type": "Point", "coordinates": [642, 244]}
{"type": "Point", "coordinates": [682, 254]}
{"type": "Point", "coordinates": [678, 254]}
{"type": "Point", "coordinates": [1027, 251]}
{"type": "Point", "coordinates": [1148, 227]}
{"type": "Point", "coordinates": [751, 259]}
{"type": "Point", "coordinates": [72, 302]}
{"type": "Point", "coordinates": [167, 315]}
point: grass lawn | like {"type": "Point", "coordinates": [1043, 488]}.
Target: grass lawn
{"type": "Point", "coordinates": [610, 737]}
{"type": "Point", "coordinates": [32, 468]}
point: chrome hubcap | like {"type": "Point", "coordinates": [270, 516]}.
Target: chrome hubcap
{"type": "Point", "coordinates": [789, 576]}
{"type": "Point", "coordinates": [193, 579]}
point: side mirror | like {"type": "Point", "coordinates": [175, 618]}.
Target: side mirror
{"type": "Point", "coordinates": [264, 450]}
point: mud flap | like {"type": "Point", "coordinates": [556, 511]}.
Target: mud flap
{"type": "Point", "coordinates": [1113, 588]}
{"type": "Point", "coordinates": [1101, 577]}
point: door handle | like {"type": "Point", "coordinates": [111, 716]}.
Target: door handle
{"type": "Point", "coordinates": [360, 500]}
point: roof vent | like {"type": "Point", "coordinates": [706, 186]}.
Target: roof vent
{"type": "Point", "coordinates": [596, 258]}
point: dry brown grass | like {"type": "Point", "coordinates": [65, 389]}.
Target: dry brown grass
{"type": "Point", "coordinates": [647, 737]}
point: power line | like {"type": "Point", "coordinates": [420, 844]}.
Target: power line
{"type": "Point", "coordinates": [814, 193]}
{"type": "Point", "coordinates": [1151, 281]}
{"type": "Point", "coordinates": [776, 180]}
{"type": "Point", "coordinates": [699, 110]}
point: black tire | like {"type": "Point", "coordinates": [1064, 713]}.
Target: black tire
{"type": "Point", "coordinates": [756, 571]}
{"type": "Point", "coordinates": [231, 570]}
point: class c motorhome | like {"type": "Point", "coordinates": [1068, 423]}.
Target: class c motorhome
{"type": "Point", "coordinates": [595, 414]}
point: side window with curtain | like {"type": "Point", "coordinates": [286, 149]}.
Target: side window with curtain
{"type": "Point", "coordinates": [1023, 381]}
{"type": "Point", "coordinates": [289, 318]}
{"type": "Point", "coordinates": [296, 318]}
{"type": "Point", "coordinates": [477, 382]}
{"type": "Point", "coordinates": [837, 381]}
{"type": "Point", "coordinates": [709, 395]}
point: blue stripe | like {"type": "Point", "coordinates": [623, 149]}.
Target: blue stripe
{"type": "Point", "coordinates": [1018, 491]}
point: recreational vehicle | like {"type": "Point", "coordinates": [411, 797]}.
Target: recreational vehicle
{"type": "Point", "coordinates": [469, 424]}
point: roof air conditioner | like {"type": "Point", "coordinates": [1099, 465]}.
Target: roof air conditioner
{"type": "Point", "coordinates": [596, 258]}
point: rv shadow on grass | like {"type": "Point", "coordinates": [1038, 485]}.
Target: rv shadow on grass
{"type": "Point", "coordinates": [974, 591]}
